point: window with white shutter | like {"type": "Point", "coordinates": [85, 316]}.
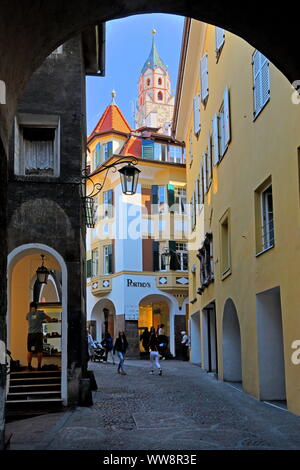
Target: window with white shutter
{"type": "Point", "coordinates": [215, 139]}
{"type": "Point", "coordinates": [201, 191]}
{"type": "Point", "coordinates": [226, 108]}
{"type": "Point", "coordinates": [261, 82]}
{"type": "Point", "coordinates": [220, 39]}
{"type": "Point", "coordinates": [204, 77]}
{"type": "Point", "coordinates": [209, 162]}
{"type": "Point", "coordinates": [197, 120]}
{"type": "Point", "coordinates": [204, 166]}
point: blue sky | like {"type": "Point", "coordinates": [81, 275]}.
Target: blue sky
{"type": "Point", "coordinates": [128, 43]}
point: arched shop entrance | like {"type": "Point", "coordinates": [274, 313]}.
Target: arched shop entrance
{"type": "Point", "coordinates": [102, 319]}
{"type": "Point", "coordinates": [154, 310]}
{"type": "Point", "coordinates": [51, 297]}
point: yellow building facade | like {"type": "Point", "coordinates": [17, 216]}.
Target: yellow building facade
{"type": "Point", "coordinates": [239, 118]}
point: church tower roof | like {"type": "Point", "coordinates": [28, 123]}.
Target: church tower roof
{"type": "Point", "coordinates": [154, 59]}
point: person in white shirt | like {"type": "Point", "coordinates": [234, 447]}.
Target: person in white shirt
{"type": "Point", "coordinates": [185, 344]}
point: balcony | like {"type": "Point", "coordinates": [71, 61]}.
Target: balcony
{"type": "Point", "coordinates": [101, 285]}
{"type": "Point", "coordinates": [172, 280]}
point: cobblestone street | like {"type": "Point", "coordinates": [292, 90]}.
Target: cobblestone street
{"type": "Point", "coordinates": [185, 409]}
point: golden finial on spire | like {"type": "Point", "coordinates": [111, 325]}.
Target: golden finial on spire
{"type": "Point", "coordinates": [153, 31]}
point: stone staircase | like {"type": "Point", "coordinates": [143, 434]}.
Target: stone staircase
{"type": "Point", "coordinates": [32, 393]}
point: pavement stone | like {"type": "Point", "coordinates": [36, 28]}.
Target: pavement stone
{"type": "Point", "coordinates": [184, 409]}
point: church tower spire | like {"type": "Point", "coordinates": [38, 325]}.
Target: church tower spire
{"type": "Point", "coordinates": [155, 101]}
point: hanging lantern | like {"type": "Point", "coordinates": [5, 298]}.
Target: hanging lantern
{"type": "Point", "coordinates": [42, 273]}
{"type": "Point", "coordinates": [129, 175]}
{"type": "Point", "coordinates": [166, 258]}
{"type": "Point", "coordinates": [89, 211]}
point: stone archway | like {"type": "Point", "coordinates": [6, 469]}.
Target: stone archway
{"type": "Point", "coordinates": [232, 352]}
{"type": "Point", "coordinates": [103, 312]}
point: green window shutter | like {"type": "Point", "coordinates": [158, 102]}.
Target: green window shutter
{"type": "Point", "coordinates": [148, 149]}
{"type": "Point", "coordinates": [171, 195]}
{"type": "Point", "coordinates": [155, 252]}
{"type": "Point", "coordinates": [88, 268]}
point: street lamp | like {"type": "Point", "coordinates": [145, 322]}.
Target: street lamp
{"type": "Point", "coordinates": [166, 258]}
{"type": "Point", "coordinates": [129, 176]}
{"type": "Point", "coordinates": [42, 272]}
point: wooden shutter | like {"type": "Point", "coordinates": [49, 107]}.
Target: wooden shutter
{"type": "Point", "coordinates": [209, 162]}
{"type": "Point", "coordinates": [201, 186]}
{"type": "Point", "coordinates": [227, 133]}
{"type": "Point", "coordinates": [220, 38]}
{"type": "Point", "coordinates": [197, 118]}
{"type": "Point", "coordinates": [148, 149]}
{"type": "Point", "coordinates": [215, 139]}
{"type": "Point", "coordinates": [147, 254]}
{"type": "Point", "coordinates": [88, 268]}
{"type": "Point", "coordinates": [204, 166]}
{"type": "Point", "coordinates": [204, 77]}
{"type": "Point", "coordinates": [261, 81]}
{"type": "Point", "coordinates": [155, 253]}
{"type": "Point", "coordinates": [113, 257]}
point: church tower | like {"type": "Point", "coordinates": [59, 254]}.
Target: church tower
{"type": "Point", "coordinates": [155, 102]}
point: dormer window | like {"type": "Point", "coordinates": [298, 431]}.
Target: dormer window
{"type": "Point", "coordinates": [160, 96]}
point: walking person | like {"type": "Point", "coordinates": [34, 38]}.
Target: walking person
{"type": "Point", "coordinates": [154, 355]}
{"type": "Point", "coordinates": [144, 338]}
{"type": "Point", "coordinates": [185, 345]}
{"type": "Point", "coordinates": [35, 320]}
{"type": "Point", "coordinates": [91, 346]}
{"type": "Point", "coordinates": [121, 346]}
{"type": "Point", "coordinates": [107, 343]}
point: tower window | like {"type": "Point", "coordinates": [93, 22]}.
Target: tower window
{"type": "Point", "coordinates": [148, 81]}
{"type": "Point", "coordinates": [159, 81]}
{"type": "Point", "coordinates": [159, 96]}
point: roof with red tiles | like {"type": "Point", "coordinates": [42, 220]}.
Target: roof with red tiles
{"type": "Point", "coordinates": [111, 120]}
{"type": "Point", "coordinates": [133, 146]}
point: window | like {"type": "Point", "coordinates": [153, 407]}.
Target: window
{"type": "Point", "coordinates": [108, 203]}
{"type": "Point", "coordinates": [264, 217]}
{"type": "Point", "coordinates": [209, 162]}
{"type": "Point", "coordinates": [197, 116]}
{"type": "Point", "coordinates": [95, 263]}
{"type": "Point", "coordinates": [204, 77]}
{"type": "Point", "coordinates": [98, 156]}
{"type": "Point", "coordinates": [267, 218]}
{"type": "Point", "coordinates": [225, 245]}
{"type": "Point", "coordinates": [108, 147]}
{"type": "Point", "coordinates": [221, 135]}
{"type": "Point", "coordinates": [220, 39]}
{"type": "Point", "coordinates": [159, 81]}
{"type": "Point", "coordinates": [193, 209]}
{"type": "Point", "coordinates": [175, 154]}
{"type": "Point", "coordinates": [37, 145]}
{"type": "Point", "coordinates": [159, 96]}
{"type": "Point", "coordinates": [205, 255]}
{"type": "Point", "coordinates": [107, 262]}
{"type": "Point", "coordinates": [261, 82]}
{"type": "Point", "coordinates": [162, 198]}
{"type": "Point", "coordinates": [180, 200]}
{"type": "Point", "coordinates": [163, 246]}
{"type": "Point", "coordinates": [182, 256]}
{"type": "Point", "coordinates": [148, 82]}
{"type": "Point", "coordinates": [160, 152]}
